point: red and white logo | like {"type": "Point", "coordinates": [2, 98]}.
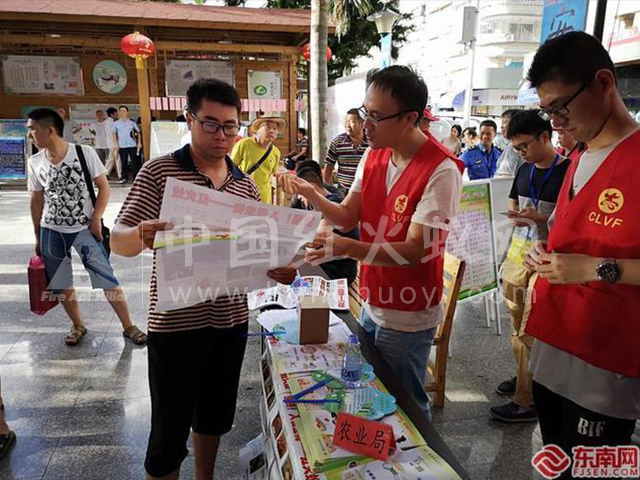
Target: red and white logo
{"type": "Point", "coordinates": [551, 461]}
{"type": "Point", "coordinates": [606, 462]}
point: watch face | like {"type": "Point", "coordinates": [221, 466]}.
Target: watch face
{"type": "Point", "coordinates": [608, 272]}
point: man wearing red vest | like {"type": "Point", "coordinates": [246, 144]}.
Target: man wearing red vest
{"type": "Point", "coordinates": [585, 311]}
{"type": "Point", "coordinates": [405, 193]}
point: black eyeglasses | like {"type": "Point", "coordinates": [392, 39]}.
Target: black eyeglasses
{"type": "Point", "coordinates": [376, 120]}
{"type": "Point", "coordinates": [524, 147]}
{"type": "Point", "coordinates": [561, 110]}
{"type": "Point", "coordinates": [229, 130]}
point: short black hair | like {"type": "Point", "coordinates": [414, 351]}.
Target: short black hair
{"type": "Point", "coordinates": [489, 123]}
{"type": "Point", "coordinates": [354, 111]}
{"type": "Point", "coordinates": [213, 90]}
{"type": "Point", "coordinates": [303, 131]}
{"type": "Point", "coordinates": [310, 171]}
{"type": "Point", "coordinates": [471, 130]}
{"type": "Point", "coordinates": [123, 106]}
{"type": "Point", "coordinates": [111, 111]}
{"type": "Point", "coordinates": [458, 129]}
{"type": "Point", "coordinates": [46, 117]}
{"type": "Point", "coordinates": [574, 57]}
{"type": "Point", "coordinates": [404, 85]}
{"type": "Point", "coordinates": [510, 112]}
{"type": "Point", "coordinates": [528, 122]}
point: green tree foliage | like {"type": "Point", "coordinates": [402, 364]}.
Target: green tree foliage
{"type": "Point", "coordinates": [359, 35]}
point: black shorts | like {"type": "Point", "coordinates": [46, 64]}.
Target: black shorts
{"type": "Point", "coordinates": [567, 424]}
{"type": "Point", "coordinates": [193, 378]}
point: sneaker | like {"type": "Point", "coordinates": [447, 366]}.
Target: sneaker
{"type": "Point", "coordinates": [122, 181]}
{"type": "Point", "coordinates": [514, 413]}
{"type": "Point", "coordinates": [508, 387]}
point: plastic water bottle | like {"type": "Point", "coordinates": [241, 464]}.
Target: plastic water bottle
{"type": "Point", "coordinates": [352, 363]}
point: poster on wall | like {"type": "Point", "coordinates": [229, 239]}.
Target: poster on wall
{"type": "Point", "coordinates": [180, 74]}
{"type": "Point", "coordinates": [264, 86]}
{"type": "Point", "coordinates": [13, 164]}
{"type": "Point", "coordinates": [109, 76]}
{"type": "Point", "coordinates": [167, 137]}
{"type": "Point", "coordinates": [32, 74]}
{"type": "Point", "coordinates": [84, 114]}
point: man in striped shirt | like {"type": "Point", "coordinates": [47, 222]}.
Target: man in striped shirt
{"type": "Point", "coordinates": [195, 353]}
{"type": "Point", "coordinates": [346, 150]}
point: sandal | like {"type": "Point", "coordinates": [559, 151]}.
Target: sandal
{"type": "Point", "coordinates": [75, 335]}
{"type": "Point", "coordinates": [6, 442]}
{"type": "Point", "coordinates": [137, 336]}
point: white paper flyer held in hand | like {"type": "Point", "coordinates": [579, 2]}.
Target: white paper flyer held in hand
{"type": "Point", "coordinates": [222, 245]}
{"type": "Point", "coordinates": [286, 296]}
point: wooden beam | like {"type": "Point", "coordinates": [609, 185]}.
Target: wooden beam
{"type": "Point", "coordinates": [225, 47]}
{"type": "Point", "coordinates": [143, 98]}
{"type": "Point", "coordinates": [63, 41]}
{"type": "Point", "coordinates": [114, 44]}
{"type": "Point", "coordinates": [293, 115]}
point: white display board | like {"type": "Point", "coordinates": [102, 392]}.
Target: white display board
{"type": "Point", "coordinates": [35, 75]}
{"type": "Point", "coordinates": [502, 226]}
{"type": "Point", "coordinates": [167, 137]}
{"type": "Point", "coordinates": [180, 74]}
{"type": "Point", "coordinates": [471, 238]}
{"type": "Point", "coordinates": [263, 86]}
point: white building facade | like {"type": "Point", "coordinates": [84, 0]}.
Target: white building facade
{"type": "Point", "coordinates": [508, 30]}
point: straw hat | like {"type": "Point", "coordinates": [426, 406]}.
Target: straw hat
{"type": "Point", "coordinates": [269, 117]}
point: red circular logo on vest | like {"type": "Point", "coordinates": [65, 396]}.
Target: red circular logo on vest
{"type": "Point", "coordinates": [401, 203]}
{"type": "Point", "coordinates": [611, 200]}
{"type": "Point", "coordinates": [551, 461]}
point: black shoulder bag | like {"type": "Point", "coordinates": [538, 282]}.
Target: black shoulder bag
{"type": "Point", "coordinates": [256, 165]}
{"type": "Point", "coordinates": [92, 193]}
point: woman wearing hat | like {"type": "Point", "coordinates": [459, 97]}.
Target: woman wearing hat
{"type": "Point", "coordinates": [257, 156]}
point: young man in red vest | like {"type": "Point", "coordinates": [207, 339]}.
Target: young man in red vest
{"type": "Point", "coordinates": [586, 301]}
{"type": "Point", "coordinates": [405, 193]}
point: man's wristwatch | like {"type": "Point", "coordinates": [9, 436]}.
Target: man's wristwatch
{"type": "Point", "coordinates": [608, 271]}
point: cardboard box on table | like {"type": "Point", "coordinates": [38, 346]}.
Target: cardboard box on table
{"type": "Point", "coordinates": [313, 315]}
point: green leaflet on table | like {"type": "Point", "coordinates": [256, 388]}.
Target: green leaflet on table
{"type": "Point", "coordinates": [367, 377]}
{"type": "Point", "coordinates": [369, 403]}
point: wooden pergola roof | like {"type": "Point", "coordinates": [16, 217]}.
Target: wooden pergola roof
{"type": "Point", "coordinates": [172, 26]}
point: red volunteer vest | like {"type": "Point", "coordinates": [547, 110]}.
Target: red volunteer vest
{"type": "Point", "coordinates": [400, 288]}
{"type": "Point", "coordinates": [597, 322]}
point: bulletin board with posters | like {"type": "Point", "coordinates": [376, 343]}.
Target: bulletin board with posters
{"type": "Point", "coordinates": [180, 74]}
{"type": "Point", "coordinates": [471, 238]}
{"type": "Point", "coordinates": [34, 75]}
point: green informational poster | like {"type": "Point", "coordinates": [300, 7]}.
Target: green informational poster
{"type": "Point", "coordinates": [471, 239]}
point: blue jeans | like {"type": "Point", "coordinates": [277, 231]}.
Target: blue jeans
{"type": "Point", "coordinates": [407, 354]}
{"type": "Point", "coordinates": [56, 250]}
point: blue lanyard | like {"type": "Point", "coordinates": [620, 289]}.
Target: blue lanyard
{"type": "Point", "coordinates": [535, 196]}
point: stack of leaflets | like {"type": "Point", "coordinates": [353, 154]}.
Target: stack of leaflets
{"type": "Point", "coordinates": [286, 296]}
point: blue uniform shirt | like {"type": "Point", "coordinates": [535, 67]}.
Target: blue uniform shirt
{"type": "Point", "coordinates": [480, 163]}
{"type": "Point", "coordinates": [124, 131]}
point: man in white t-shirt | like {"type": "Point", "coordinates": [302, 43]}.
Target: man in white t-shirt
{"type": "Point", "coordinates": [63, 216]}
{"type": "Point", "coordinates": [71, 128]}
{"type": "Point", "coordinates": [99, 130]}
{"type": "Point", "coordinates": [405, 193]}
{"type": "Point", "coordinates": [113, 159]}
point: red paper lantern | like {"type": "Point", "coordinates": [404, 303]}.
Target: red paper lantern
{"type": "Point", "coordinates": [137, 46]}
{"type": "Point", "coordinates": [306, 52]}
